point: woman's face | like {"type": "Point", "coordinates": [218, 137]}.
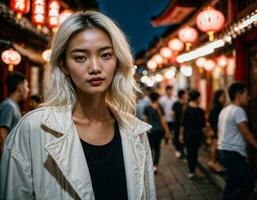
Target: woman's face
{"type": "Point", "coordinates": [90, 61]}
{"type": "Point", "coordinates": [222, 99]}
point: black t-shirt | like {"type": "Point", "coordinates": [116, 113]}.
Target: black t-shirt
{"type": "Point", "coordinates": [154, 118]}
{"type": "Point", "coordinates": [178, 110]}
{"type": "Point", "coordinates": [193, 120]}
{"type": "Point", "coordinates": [106, 168]}
{"type": "Point", "coordinates": [214, 115]}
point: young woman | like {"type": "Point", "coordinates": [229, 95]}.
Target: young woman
{"type": "Point", "coordinates": [83, 143]}
{"type": "Point", "coordinates": [219, 101]}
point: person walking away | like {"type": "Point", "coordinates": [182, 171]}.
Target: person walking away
{"type": "Point", "coordinates": [143, 100]}
{"type": "Point", "coordinates": [154, 115]}
{"type": "Point", "coordinates": [219, 101]}
{"type": "Point", "coordinates": [167, 102]}
{"type": "Point", "coordinates": [191, 131]}
{"type": "Point", "coordinates": [10, 113]}
{"type": "Point", "coordinates": [84, 142]}
{"type": "Point", "coordinates": [233, 135]}
{"type": "Point", "coordinates": [177, 111]}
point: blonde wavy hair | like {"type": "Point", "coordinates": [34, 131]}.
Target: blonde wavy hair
{"type": "Point", "coordinates": [59, 90]}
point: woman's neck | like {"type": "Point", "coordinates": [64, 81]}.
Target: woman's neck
{"type": "Point", "coordinates": [93, 108]}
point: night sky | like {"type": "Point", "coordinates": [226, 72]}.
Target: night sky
{"type": "Point", "coordinates": [134, 17]}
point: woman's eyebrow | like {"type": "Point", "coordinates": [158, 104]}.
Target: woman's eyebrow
{"type": "Point", "coordinates": [82, 50]}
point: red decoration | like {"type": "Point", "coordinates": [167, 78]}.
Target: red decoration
{"type": "Point", "coordinates": [38, 12]}
{"type": "Point", "coordinates": [200, 62]}
{"type": "Point", "coordinates": [222, 61]}
{"type": "Point", "coordinates": [165, 52]}
{"type": "Point", "coordinates": [151, 64]}
{"type": "Point", "coordinates": [210, 21]}
{"type": "Point", "coordinates": [20, 6]}
{"type": "Point", "coordinates": [11, 57]}
{"type": "Point", "coordinates": [158, 59]}
{"type": "Point", "coordinates": [209, 65]}
{"type": "Point", "coordinates": [53, 13]}
{"type": "Point", "coordinates": [63, 15]}
{"type": "Point", "coordinates": [176, 45]}
{"type": "Point", "coordinates": [188, 35]}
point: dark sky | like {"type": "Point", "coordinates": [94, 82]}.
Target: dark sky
{"type": "Point", "coordinates": [134, 17]}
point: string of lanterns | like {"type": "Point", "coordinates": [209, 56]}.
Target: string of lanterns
{"type": "Point", "coordinates": [38, 12]}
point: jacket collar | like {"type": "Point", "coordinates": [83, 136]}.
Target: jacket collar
{"type": "Point", "coordinates": [67, 151]}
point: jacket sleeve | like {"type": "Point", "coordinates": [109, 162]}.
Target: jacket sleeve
{"type": "Point", "coordinates": [150, 192]}
{"type": "Point", "coordinates": [15, 171]}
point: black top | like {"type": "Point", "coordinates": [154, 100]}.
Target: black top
{"type": "Point", "coordinates": [106, 168]}
{"type": "Point", "coordinates": [214, 115]}
{"type": "Point", "coordinates": [193, 120]}
{"type": "Point", "coordinates": [178, 110]}
{"type": "Point", "coordinates": [154, 118]}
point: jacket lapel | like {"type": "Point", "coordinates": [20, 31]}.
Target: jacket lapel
{"type": "Point", "coordinates": [68, 154]}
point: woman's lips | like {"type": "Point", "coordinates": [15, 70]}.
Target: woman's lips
{"type": "Point", "coordinates": [96, 82]}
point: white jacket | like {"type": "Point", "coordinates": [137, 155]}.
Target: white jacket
{"type": "Point", "coordinates": [44, 159]}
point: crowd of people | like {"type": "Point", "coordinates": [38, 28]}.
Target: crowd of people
{"type": "Point", "coordinates": [190, 126]}
{"type": "Point", "coordinates": [84, 140]}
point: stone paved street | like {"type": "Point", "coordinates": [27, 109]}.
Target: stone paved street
{"type": "Point", "coordinates": [172, 182]}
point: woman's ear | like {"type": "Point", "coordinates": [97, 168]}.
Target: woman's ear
{"type": "Point", "coordinates": [63, 68]}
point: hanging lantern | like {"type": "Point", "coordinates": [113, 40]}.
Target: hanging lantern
{"type": "Point", "coordinates": [158, 59]}
{"type": "Point", "coordinates": [200, 62]}
{"type": "Point", "coordinates": [151, 64]}
{"type": "Point", "coordinates": [46, 55]}
{"type": "Point", "coordinates": [53, 13]}
{"type": "Point", "coordinates": [222, 61]}
{"type": "Point", "coordinates": [165, 52]}
{"type": "Point", "coordinates": [64, 15]}
{"type": "Point", "coordinates": [210, 20]}
{"type": "Point", "coordinates": [38, 13]}
{"type": "Point", "coordinates": [188, 35]}
{"type": "Point", "coordinates": [11, 57]}
{"type": "Point", "coordinates": [176, 45]}
{"type": "Point", "coordinates": [20, 7]}
{"type": "Point", "coordinates": [209, 65]}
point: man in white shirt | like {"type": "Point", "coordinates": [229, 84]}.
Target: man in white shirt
{"type": "Point", "coordinates": [167, 102]}
{"type": "Point", "coordinates": [233, 134]}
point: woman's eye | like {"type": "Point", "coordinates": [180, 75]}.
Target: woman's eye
{"type": "Point", "coordinates": [80, 58]}
{"type": "Point", "coordinates": [107, 55]}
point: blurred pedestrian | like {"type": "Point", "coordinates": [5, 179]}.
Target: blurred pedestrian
{"type": "Point", "coordinates": [177, 111]}
{"type": "Point", "coordinates": [167, 101]}
{"type": "Point", "coordinates": [154, 115]}
{"type": "Point", "coordinates": [10, 113]}
{"type": "Point", "coordinates": [84, 142]}
{"type": "Point", "coordinates": [233, 133]}
{"type": "Point", "coordinates": [219, 101]}
{"type": "Point", "coordinates": [35, 100]}
{"type": "Point", "coordinates": [143, 100]}
{"type": "Point", "coordinates": [191, 131]}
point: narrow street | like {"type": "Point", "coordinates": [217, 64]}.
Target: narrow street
{"type": "Point", "coordinates": [172, 182]}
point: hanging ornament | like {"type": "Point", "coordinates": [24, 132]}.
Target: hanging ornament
{"type": "Point", "coordinates": [11, 58]}
{"type": "Point", "coordinates": [53, 14]}
{"type": "Point", "coordinates": [188, 35]}
{"type": "Point", "coordinates": [20, 7]}
{"type": "Point", "coordinates": [176, 45]}
{"type": "Point", "coordinates": [38, 13]}
{"type": "Point", "coordinates": [210, 20]}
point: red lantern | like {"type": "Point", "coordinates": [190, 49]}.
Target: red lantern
{"type": "Point", "coordinates": [20, 6]}
{"type": "Point", "coordinates": [38, 12]}
{"type": "Point", "coordinates": [151, 64]}
{"type": "Point", "coordinates": [176, 45]}
{"type": "Point", "coordinates": [200, 62]}
{"type": "Point", "coordinates": [53, 13]}
{"type": "Point", "coordinates": [222, 61]}
{"type": "Point", "coordinates": [188, 35]}
{"type": "Point", "coordinates": [210, 21]}
{"type": "Point", "coordinates": [158, 59]}
{"type": "Point", "coordinates": [209, 65]}
{"type": "Point", "coordinates": [165, 52]}
{"type": "Point", "coordinates": [11, 57]}
{"type": "Point", "coordinates": [64, 15]}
